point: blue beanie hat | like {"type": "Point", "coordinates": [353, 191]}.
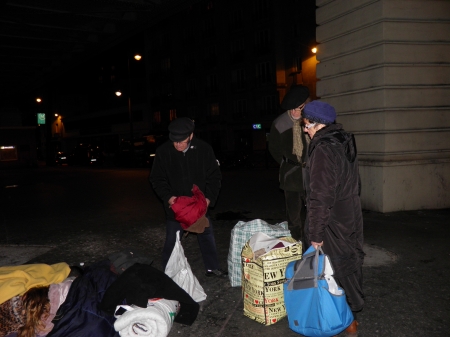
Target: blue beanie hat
{"type": "Point", "coordinates": [320, 112]}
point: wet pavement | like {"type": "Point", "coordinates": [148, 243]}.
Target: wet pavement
{"type": "Point", "coordinates": [84, 214]}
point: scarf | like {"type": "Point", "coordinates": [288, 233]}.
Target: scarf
{"type": "Point", "coordinates": [297, 144]}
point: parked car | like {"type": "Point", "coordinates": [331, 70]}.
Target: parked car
{"type": "Point", "coordinates": [86, 154]}
{"type": "Point", "coordinates": [61, 158]}
{"type": "Point", "coordinates": [141, 155]}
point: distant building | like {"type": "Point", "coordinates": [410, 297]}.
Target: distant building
{"type": "Point", "coordinates": [227, 65]}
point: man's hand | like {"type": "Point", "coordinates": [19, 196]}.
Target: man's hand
{"type": "Point", "coordinates": [207, 202]}
{"type": "Point", "coordinates": [172, 200]}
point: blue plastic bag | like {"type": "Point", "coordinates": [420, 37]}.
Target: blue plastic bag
{"type": "Point", "coordinates": [315, 305]}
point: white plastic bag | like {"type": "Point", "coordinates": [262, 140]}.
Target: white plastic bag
{"type": "Point", "coordinates": [179, 270]}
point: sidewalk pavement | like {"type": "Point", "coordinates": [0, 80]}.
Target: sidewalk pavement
{"type": "Point", "coordinates": [406, 274]}
{"type": "Point", "coordinates": [405, 282]}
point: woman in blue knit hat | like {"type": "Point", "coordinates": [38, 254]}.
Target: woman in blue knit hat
{"type": "Point", "coordinates": [334, 219]}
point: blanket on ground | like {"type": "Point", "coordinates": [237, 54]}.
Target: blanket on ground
{"type": "Point", "coordinates": [156, 320]}
{"type": "Point", "coordinates": [80, 315]}
{"type": "Point", "coordinates": [16, 280]}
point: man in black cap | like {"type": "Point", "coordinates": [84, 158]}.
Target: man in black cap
{"type": "Point", "coordinates": [288, 146]}
{"type": "Point", "coordinates": [180, 163]}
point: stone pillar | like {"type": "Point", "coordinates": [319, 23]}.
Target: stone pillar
{"type": "Point", "coordinates": [385, 66]}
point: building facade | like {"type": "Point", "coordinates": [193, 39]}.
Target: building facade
{"type": "Point", "coordinates": [227, 65]}
{"type": "Point", "coordinates": [385, 66]}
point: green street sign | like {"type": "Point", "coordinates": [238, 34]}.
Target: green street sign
{"type": "Point", "coordinates": [41, 118]}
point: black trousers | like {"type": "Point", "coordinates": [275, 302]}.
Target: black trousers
{"type": "Point", "coordinates": [205, 240]}
{"type": "Point", "coordinates": [353, 287]}
{"type": "Point", "coordinates": [295, 212]}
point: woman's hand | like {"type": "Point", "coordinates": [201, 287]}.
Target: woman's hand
{"type": "Point", "coordinates": [316, 244]}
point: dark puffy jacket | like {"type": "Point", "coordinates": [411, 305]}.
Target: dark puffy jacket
{"type": "Point", "coordinates": [333, 203]}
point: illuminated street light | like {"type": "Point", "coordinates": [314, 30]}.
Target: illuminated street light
{"type": "Point", "coordinates": [39, 100]}
{"type": "Point", "coordinates": [118, 93]}
{"type": "Point", "coordinates": [314, 50]}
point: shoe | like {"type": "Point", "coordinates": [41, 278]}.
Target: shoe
{"type": "Point", "coordinates": [352, 329]}
{"type": "Point", "coordinates": [217, 273]}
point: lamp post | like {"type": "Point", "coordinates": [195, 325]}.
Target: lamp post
{"type": "Point", "coordinates": [118, 93]}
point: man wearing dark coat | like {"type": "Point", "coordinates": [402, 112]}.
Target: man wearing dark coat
{"type": "Point", "coordinates": [288, 146]}
{"type": "Point", "coordinates": [180, 163]}
{"type": "Point", "coordinates": [334, 218]}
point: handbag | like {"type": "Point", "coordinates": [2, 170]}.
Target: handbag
{"type": "Point", "coordinates": [179, 270]}
{"type": "Point", "coordinates": [316, 306]}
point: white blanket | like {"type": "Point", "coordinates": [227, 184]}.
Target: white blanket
{"type": "Point", "coordinates": [156, 320]}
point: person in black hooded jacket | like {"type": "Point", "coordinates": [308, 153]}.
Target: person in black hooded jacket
{"type": "Point", "coordinates": [334, 219]}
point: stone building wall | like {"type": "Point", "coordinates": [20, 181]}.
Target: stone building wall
{"type": "Point", "coordinates": [385, 66]}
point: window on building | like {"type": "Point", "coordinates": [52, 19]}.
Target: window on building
{"type": "Point", "coordinates": [240, 109]}
{"type": "Point", "coordinates": [237, 51]}
{"type": "Point", "coordinates": [269, 105]}
{"type": "Point", "coordinates": [263, 72]}
{"type": "Point", "coordinates": [191, 87]}
{"type": "Point", "coordinates": [189, 32]}
{"type": "Point", "coordinates": [238, 79]}
{"type": "Point", "coordinates": [213, 109]}
{"type": "Point", "coordinates": [208, 28]}
{"type": "Point", "coordinates": [212, 84]}
{"type": "Point", "coordinates": [190, 61]}
{"type": "Point", "coordinates": [172, 114]}
{"type": "Point", "coordinates": [237, 46]}
{"type": "Point", "coordinates": [262, 39]}
{"type": "Point", "coordinates": [261, 9]}
{"type": "Point", "coordinates": [296, 31]}
{"type": "Point", "coordinates": [157, 117]}
{"type": "Point", "coordinates": [297, 64]}
{"type": "Point", "coordinates": [237, 18]}
{"type": "Point", "coordinates": [193, 112]}
{"type": "Point", "coordinates": [165, 64]}
{"type": "Point", "coordinates": [210, 55]}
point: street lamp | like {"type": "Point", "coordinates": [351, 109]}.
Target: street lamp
{"type": "Point", "coordinates": [137, 57]}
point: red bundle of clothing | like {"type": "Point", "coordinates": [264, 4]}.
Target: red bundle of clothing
{"type": "Point", "coordinates": [190, 211]}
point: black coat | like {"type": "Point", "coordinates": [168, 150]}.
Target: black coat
{"type": "Point", "coordinates": [141, 282]}
{"type": "Point", "coordinates": [280, 146]}
{"type": "Point", "coordinates": [333, 203]}
{"type": "Point", "coordinates": [174, 172]}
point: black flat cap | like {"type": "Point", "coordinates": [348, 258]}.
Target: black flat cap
{"type": "Point", "coordinates": [295, 97]}
{"type": "Point", "coordinates": [180, 129]}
